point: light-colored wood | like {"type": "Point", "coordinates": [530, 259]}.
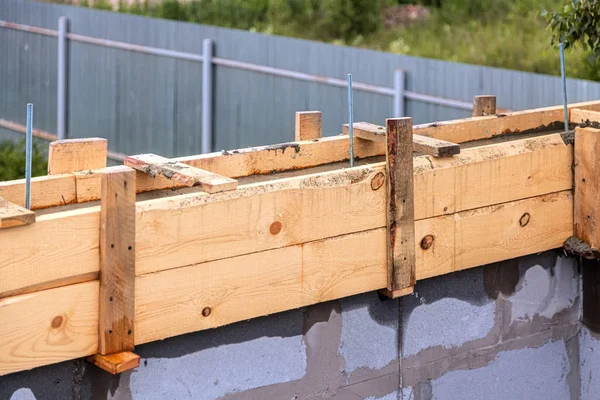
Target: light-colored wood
{"type": "Point", "coordinates": [189, 176]}
{"type": "Point", "coordinates": [117, 261]}
{"type": "Point", "coordinates": [12, 215]}
{"type": "Point", "coordinates": [587, 186]}
{"type": "Point", "coordinates": [225, 291]}
{"type": "Point", "coordinates": [421, 144]}
{"type": "Point", "coordinates": [116, 363]}
{"type": "Point", "coordinates": [72, 155]}
{"type": "Point", "coordinates": [400, 210]}
{"type": "Point", "coordinates": [49, 326]}
{"type": "Point", "coordinates": [46, 191]}
{"type": "Point", "coordinates": [58, 246]}
{"type": "Point", "coordinates": [484, 105]}
{"type": "Point", "coordinates": [308, 125]}
{"type": "Point", "coordinates": [308, 208]}
{"type": "Point", "coordinates": [585, 117]}
{"type": "Point", "coordinates": [69, 280]}
{"type": "Point", "coordinates": [396, 294]}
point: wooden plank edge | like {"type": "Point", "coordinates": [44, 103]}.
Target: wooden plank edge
{"type": "Point", "coordinates": [115, 363]}
{"type": "Point", "coordinates": [395, 294]}
{"type": "Point", "coordinates": [13, 215]}
{"type": "Point", "coordinates": [70, 280]}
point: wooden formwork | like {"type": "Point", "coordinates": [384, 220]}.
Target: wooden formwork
{"type": "Point", "coordinates": [114, 257]}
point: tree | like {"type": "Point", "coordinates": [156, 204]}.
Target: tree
{"type": "Point", "coordinates": [578, 24]}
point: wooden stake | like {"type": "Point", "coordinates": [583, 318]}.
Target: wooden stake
{"type": "Point", "coordinates": [116, 363]}
{"type": "Point", "coordinates": [77, 155]}
{"type": "Point", "coordinates": [308, 125]}
{"type": "Point", "coordinates": [117, 261]}
{"type": "Point", "coordinates": [400, 206]}
{"type": "Point", "coordinates": [484, 105]}
{"type": "Point", "coordinates": [587, 186]}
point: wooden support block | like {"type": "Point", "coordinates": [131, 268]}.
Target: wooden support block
{"type": "Point", "coordinates": [176, 171]}
{"type": "Point", "coordinates": [587, 186]}
{"type": "Point", "coordinates": [117, 261]}
{"type": "Point", "coordinates": [308, 125]}
{"type": "Point", "coordinates": [400, 214]}
{"type": "Point", "coordinates": [484, 105]}
{"type": "Point", "coordinates": [77, 155]}
{"type": "Point", "coordinates": [421, 144]}
{"type": "Point", "coordinates": [116, 363]}
{"type": "Point", "coordinates": [14, 215]}
{"type": "Point", "coordinates": [396, 294]}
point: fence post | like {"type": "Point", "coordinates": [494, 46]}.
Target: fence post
{"type": "Point", "coordinates": [207, 100]}
{"type": "Point", "coordinates": [61, 101]}
{"type": "Point", "coordinates": [399, 107]}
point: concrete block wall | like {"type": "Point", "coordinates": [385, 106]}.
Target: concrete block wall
{"type": "Point", "coordinates": [509, 330]}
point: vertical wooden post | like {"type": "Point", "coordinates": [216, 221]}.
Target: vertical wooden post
{"type": "Point", "coordinates": [308, 125]}
{"type": "Point", "coordinates": [400, 210]}
{"type": "Point", "coordinates": [117, 272]}
{"type": "Point", "coordinates": [587, 186]}
{"type": "Point", "coordinates": [484, 105]}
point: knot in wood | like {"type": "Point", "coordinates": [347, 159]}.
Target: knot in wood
{"type": "Point", "coordinates": [57, 321]}
{"type": "Point", "coordinates": [524, 219]}
{"type": "Point", "coordinates": [275, 228]}
{"type": "Point", "coordinates": [427, 242]}
{"type": "Point", "coordinates": [377, 181]}
{"type": "Point", "coordinates": [206, 311]}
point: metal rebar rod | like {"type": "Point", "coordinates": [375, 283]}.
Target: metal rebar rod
{"type": "Point", "coordinates": [351, 120]}
{"type": "Point", "coordinates": [564, 85]}
{"type": "Point", "coordinates": [28, 151]}
{"type": "Point", "coordinates": [61, 87]}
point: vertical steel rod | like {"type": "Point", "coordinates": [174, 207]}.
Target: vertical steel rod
{"type": "Point", "coordinates": [351, 120]}
{"type": "Point", "coordinates": [564, 85]}
{"type": "Point", "coordinates": [399, 107]}
{"type": "Point", "coordinates": [207, 100]}
{"type": "Point", "coordinates": [61, 100]}
{"type": "Point", "coordinates": [28, 150]}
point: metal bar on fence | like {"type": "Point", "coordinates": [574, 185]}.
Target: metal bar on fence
{"type": "Point", "coordinates": [207, 100]}
{"type": "Point", "coordinates": [61, 96]}
{"type": "Point", "coordinates": [426, 98]}
{"type": "Point", "coordinates": [399, 93]}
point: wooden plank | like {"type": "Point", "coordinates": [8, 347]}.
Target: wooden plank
{"type": "Point", "coordinates": [421, 144]}
{"type": "Point", "coordinates": [484, 105]}
{"type": "Point", "coordinates": [47, 327]}
{"type": "Point", "coordinates": [117, 261]}
{"type": "Point", "coordinates": [58, 247]}
{"type": "Point", "coordinates": [308, 125]}
{"type": "Point", "coordinates": [77, 155]}
{"type": "Point", "coordinates": [400, 211]}
{"type": "Point", "coordinates": [587, 187]}
{"type": "Point", "coordinates": [116, 363]}
{"type": "Point", "coordinates": [46, 191]}
{"type": "Point", "coordinates": [179, 172]}
{"type": "Point", "coordinates": [263, 283]}
{"type": "Point", "coordinates": [585, 117]}
{"type": "Point", "coordinates": [13, 215]}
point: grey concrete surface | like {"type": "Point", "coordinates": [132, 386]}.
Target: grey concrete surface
{"type": "Point", "coordinates": [509, 330]}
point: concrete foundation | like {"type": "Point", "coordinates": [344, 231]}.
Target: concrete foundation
{"type": "Point", "coordinates": [510, 330]}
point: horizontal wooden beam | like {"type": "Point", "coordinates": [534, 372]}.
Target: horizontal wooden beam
{"type": "Point", "coordinates": [46, 191]}
{"type": "Point", "coordinates": [12, 215]}
{"type": "Point", "coordinates": [48, 327]}
{"type": "Point", "coordinates": [585, 118]}
{"type": "Point", "coordinates": [421, 144]}
{"type": "Point", "coordinates": [187, 175]}
{"type": "Point", "coordinates": [263, 283]}
{"type": "Point", "coordinates": [262, 216]}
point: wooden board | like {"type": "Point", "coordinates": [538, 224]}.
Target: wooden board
{"type": "Point", "coordinates": [585, 117]}
{"type": "Point", "coordinates": [49, 326]}
{"type": "Point", "coordinates": [77, 155]}
{"type": "Point", "coordinates": [46, 191]}
{"type": "Point", "coordinates": [225, 291]}
{"type": "Point", "coordinates": [58, 246]}
{"type": "Point", "coordinates": [117, 261]}
{"type": "Point", "coordinates": [12, 215]}
{"type": "Point", "coordinates": [421, 144]}
{"type": "Point", "coordinates": [308, 125]}
{"type": "Point", "coordinates": [189, 176]}
{"type": "Point", "coordinates": [400, 209]}
{"type": "Point", "coordinates": [484, 105]}
{"type": "Point", "coordinates": [116, 363]}
{"type": "Point", "coordinates": [587, 187]}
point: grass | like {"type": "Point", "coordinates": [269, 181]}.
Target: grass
{"type": "Point", "coordinates": [499, 33]}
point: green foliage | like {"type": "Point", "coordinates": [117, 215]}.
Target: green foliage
{"type": "Point", "coordinates": [12, 160]}
{"type": "Point", "coordinates": [578, 24]}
